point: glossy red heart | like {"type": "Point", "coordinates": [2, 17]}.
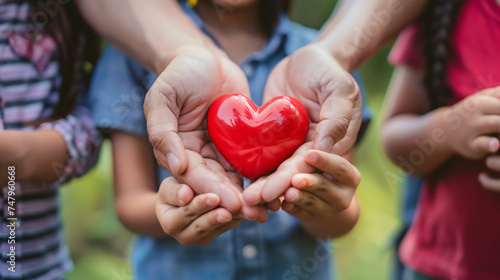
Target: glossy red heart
{"type": "Point", "coordinates": [256, 140]}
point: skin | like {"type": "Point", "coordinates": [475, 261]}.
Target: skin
{"type": "Point", "coordinates": [37, 155]}
{"type": "Point", "coordinates": [193, 217]}
{"type": "Point", "coordinates": [173, 209]}
{"type": "Point", "coordinates": [326, 208]}
{"type": "Point", "coordinates": [467, 126]}
{"type": "Point", "coordinates": [173, 108]}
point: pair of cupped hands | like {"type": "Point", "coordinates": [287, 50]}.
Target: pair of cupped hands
{"type": "Point", "coordinates": [205, 196]}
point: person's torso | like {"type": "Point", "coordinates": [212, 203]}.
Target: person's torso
{"type": "Point", "coordinates": [29, 91]}
{"type": "Point", "coordinates": [277, 249]}
{"type": "Point", "coordinates": [455, 234]}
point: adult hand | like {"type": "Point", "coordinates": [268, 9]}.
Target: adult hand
{"type": "Point", "coordinates": [332, 99]}
{"type": "Point", "coordinates": [176, 107]}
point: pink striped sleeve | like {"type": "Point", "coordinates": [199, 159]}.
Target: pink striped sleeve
{"type": "Point", "coordinates": [82, 142]}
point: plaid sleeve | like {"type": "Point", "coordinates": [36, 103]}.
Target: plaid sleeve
{"type": "Point", "coordinates": [82, 142]}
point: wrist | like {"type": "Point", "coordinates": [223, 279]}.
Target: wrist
{"type": "Point", "coordinates": [346, 57]}
{"type": "Point", "coordinates": [195, 47]}
{"type": "Point", "coordinates": [442, 133]}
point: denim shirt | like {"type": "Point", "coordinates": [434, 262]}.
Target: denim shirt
{"type": "Point", "coordinates": [277, 249]}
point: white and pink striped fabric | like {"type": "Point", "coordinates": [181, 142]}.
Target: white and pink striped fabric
{"type": "Point", "coordinates": [29, 91]}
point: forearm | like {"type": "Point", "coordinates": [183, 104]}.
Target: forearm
{"type": "Point", "coordinates": [135, 183]}
{"type": "Point", "coordinates": [336, 226]}
{"type": "Point", "coordinates": [417, 144]}
{"type": "Point", "coordinates": [37, 155]}
{"type": "Point", "coordinates": [365, 27]}
{"type": "Point", "coordinates": [150, 31]}
{"type": "Point", "coordinates": [137, 213]}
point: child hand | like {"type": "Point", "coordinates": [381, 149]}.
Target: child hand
{"type": "Point", "coordinates": [470, 121]}
{"type": "Point", "coordinates": [191, 219]}
{"type": "Point", "coordinates": [487, 181]}
{"type": "Point", "coordinates": [314, 195]}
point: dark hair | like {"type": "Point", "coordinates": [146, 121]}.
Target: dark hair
{"type": "Point", "coordinates": [76, 44]}
{"type": "Point", "coordinates": [270, 11]}
{"type": "Point", "coordinates": [439, 21]}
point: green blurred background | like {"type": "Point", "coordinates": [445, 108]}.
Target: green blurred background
{"type": "Point", "coordinates": [99, 245]}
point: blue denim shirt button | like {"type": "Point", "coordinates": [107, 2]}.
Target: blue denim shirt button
{"type": "Point", "coordinates": [247, 69]}
{"type": "Point", "coordinates": [249, 252]}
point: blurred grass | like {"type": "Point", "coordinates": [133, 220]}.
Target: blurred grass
{"type": "Point", "coordinates": [99, 245]}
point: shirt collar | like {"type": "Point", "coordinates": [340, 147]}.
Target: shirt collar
{"type": "Point", "coordinates": [282, 38]}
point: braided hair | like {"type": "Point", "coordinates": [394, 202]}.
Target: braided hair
{"type": "Point", "coordinates": [438, 25]}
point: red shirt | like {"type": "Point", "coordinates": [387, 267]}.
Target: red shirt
{"type": "Point", "coordinates": [456, 232]}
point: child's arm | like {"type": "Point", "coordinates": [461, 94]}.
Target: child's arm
{"type": "Point", "coordinates": [135, 183]}
{"type": "Point", "coordinates": [421, 142]}
{"type": "Point", "coordinates": [173, 209]}
{"type": "Point", "coordinates": [34, 154]}
{"type": "Point", "coordinates": [53, 153]}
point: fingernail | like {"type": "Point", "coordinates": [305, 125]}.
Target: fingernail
{"type": "Point", "coordinates": [174, 163]}
{"type": "Point", "coordinates": [179, 195]}
{"type": "Point", "coordinates": [223, 219]}
{"type": "Point", "coordinates": [493, 145]}
{"type": "Point", "coordinates": [326, 144]}
{"type": "Point", "coordinates": [313, 157]}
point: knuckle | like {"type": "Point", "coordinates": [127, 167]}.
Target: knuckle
{"type": "Point", "coordinates": [321, 187]}
{"type": "Point", "coordinates": [344, 203]}
{"type": "Point", "coordinates": [357, 178]}
{"type": "Point", "coordinates": [340, 127]}
{"type": "Point", "coordinates": [188, 213]}
{"type": "Point", "coordinates": [156, 138]}
{"type": "Point", "coordinates": [492, 125]}
{"type": "Point", "coordinates": [342, 168]}
{"type": "Point", "coordinates": [294, 211]}
{"type": "Point", "coordinates": [475, 151]}
{"type": "Point", "coordinates": [199, 230]}
{"type": "Point", "coordinates": [166, 184]}
{"type": "Point", "coordinates": [309, 201]}
{"type": "Point", "coordinates": [169, 229]}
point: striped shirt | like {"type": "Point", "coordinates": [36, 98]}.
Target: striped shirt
{"type": "Point", "coordinates": [29, 91]}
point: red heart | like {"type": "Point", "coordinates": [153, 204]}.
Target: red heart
{"type": "Point", "coordinates": [256, 140]}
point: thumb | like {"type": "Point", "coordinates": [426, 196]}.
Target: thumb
{"type": "Point", "coordinates": [335, 124]}
{"type": "Point", "coordinates": [483, 145]}
{"type": "Point", "coordinates": [162, 123]}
